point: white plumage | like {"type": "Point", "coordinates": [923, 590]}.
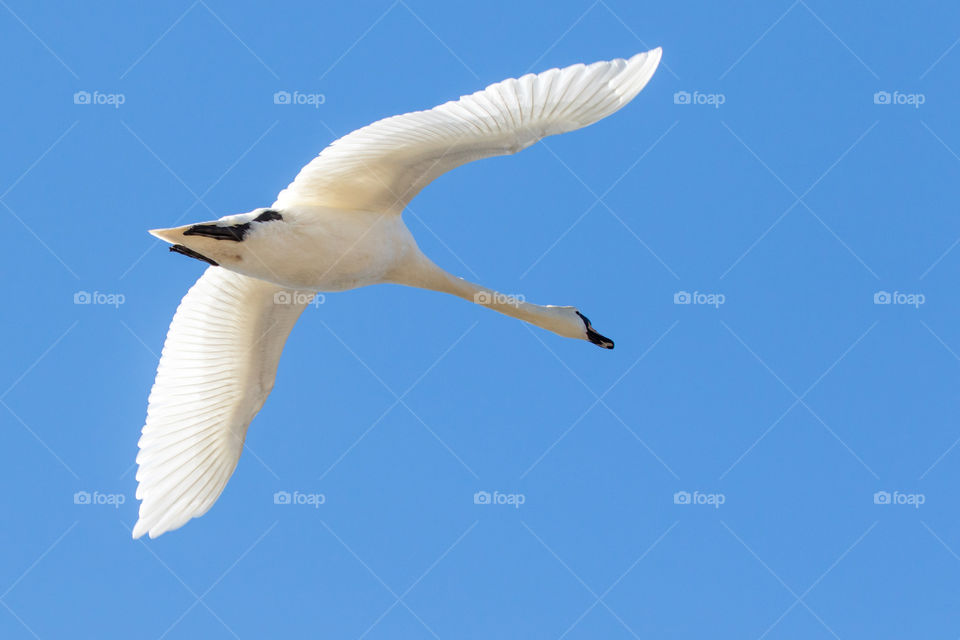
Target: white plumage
{"type": "Point", "coordinates": [217, 368]}
{"type": "Point", "coordinates": [382, 166]}
{"type": "Point", "coordinates": [336, 226]}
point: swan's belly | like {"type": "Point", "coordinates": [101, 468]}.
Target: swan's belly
{"type": "Point", "coordinates": [331, 251]}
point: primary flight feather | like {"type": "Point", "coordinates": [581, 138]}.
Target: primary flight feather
{"type": "Point", "coordinates": [337, 226]}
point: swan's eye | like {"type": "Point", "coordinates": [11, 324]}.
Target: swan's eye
{"type": "Point", "coordinates": [268, 215]}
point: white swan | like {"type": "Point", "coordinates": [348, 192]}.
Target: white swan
{"type": "Point", "coordinates": [336, 227]}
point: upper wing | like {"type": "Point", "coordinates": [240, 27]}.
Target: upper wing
{"type": "Point", "coordinates": [381, 167]}
{"type": "Point", "coordinates": [218, 366]}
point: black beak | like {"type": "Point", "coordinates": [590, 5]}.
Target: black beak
{"type": "Point", "coordinates": [593, 336]}
{"type": "Point", "coordinates": [190, 253]}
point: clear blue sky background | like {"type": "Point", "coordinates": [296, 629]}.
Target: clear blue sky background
{"type": "Point", "coordinates": [797, 199]}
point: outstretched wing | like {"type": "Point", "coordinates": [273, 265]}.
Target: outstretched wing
{"type": "Point", "coordinates": [218, 366]}
{"type": "Point", "coordinates": [381, 167]}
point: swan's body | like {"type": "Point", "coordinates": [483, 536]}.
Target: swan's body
{"type": "Point", "coordinates": [317, 249]}
{"type": "Point", "coordinates": [336, 227]}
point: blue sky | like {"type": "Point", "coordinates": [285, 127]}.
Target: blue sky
{"type": "Point", "coordinates": [790, 171]}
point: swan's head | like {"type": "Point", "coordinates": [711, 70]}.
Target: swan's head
{"type": "Point", "coordinates": [593, 336]}
{"type": "Point", "coordinates": [224, 242]}
{"type": "Point", "coordinates": [570, 323]}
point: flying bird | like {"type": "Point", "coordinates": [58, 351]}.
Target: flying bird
{"type": "Point", "coordinates": [337, 226]}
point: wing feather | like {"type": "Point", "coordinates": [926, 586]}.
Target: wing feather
{"type": "Point", "coordinates": [218, 366]}
{"type": "Point", "coordinates": [381, 167]}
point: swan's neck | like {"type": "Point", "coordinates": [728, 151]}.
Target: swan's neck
{"type": "Point", "coordinates": [563, 321]}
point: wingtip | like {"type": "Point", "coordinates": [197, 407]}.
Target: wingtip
{"type": "Point", "coordinates": [655, 55]}
{"type": "Point", "coordinates": [139, 529]}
